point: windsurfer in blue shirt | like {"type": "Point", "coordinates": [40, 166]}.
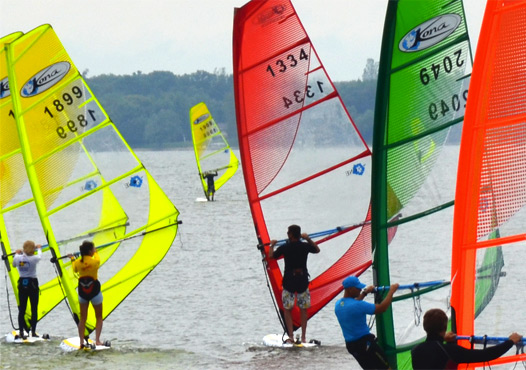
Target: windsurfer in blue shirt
{"type": "Point", "coordinates": [210, 184]}
{"type": "Point", "coordinates": [295, 277]}
{"type": "Point", "coordinates": [352, 312]}
{"type": "Point", "coordinates": [26, 262]}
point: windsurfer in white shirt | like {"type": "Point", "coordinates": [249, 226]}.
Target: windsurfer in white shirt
{"type": "Point", "coordinates": [26, 261]}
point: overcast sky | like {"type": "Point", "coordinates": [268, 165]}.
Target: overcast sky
{"type": "Point", "coordinates": [183, 36]}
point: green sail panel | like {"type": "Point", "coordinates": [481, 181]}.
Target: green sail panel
{"type": "Point", "coordinates": [423, 82]}
{"type": "Point", "coordinates": [86, 181]}
{"type": "Point", "coordinates": [212, 151]}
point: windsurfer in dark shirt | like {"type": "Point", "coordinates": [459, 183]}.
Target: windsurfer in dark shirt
{"type": "Point", "coordinates": [434, 354]}
{"type": "Point", "coordinates": [296, 276]}
{"type": "Point", "coordinates": [210, 184]}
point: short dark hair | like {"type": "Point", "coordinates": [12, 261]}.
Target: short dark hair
{"type": "Point", "coordinates": [86, 247]}
{"type": "Point", "coordinates": [295, 231]}
{"type": "Point", "coordinates": [435, 321]}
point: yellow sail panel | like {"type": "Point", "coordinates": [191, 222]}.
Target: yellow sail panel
{"type": "Point", "coordinates": [37, 82]}
{"type": "Point", "coordinates": [16, 202]}
{"type": "Point", "coordinates": [8, 137]}
{"type": "Point", "coordinates": [85, 179]}
{"type": "Point", "coordinates": [212, 152]}
{"type": "Point", "coordinates": [157, 239]}
{"type": "Point", "coordinates": [10, 183]}
{"type": "Point", "coordinates": [49, 106]}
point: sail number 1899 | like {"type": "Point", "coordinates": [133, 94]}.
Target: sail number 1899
{"type": "Point", "coordinates": [58, 107]}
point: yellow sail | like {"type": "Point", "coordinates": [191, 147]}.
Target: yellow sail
{"type": "Point", "coordinates": [12, 170]}
{"type": "Point", "coordinates": [85, 179]}
{"type": "Point", "coordinates": [212, 152]}
{"type": "Point", "coordinates": [19, 220]}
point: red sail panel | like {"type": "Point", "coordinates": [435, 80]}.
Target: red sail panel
{"type": "Point", "coordinates": [303, 159]}
{"type": "Point", "coordinates": [491, 185]}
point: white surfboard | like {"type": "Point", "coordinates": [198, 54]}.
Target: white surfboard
{"type": "Point", "coordinates": [275, 340]}
{"type": "Point", "coordinates": [73, 344]}
{"type": "Point", "coordinates": [14, 338]}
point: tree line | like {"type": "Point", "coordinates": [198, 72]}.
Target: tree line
{"type": "Point", "coordinates": [152, 110]}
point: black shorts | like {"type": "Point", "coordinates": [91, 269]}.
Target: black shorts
{"type": "Point", "coordinates": [27, 285]}
{"type": "Point", "coordinates": [296, 281]}
{"type": "Point", "coordinates": [368, 353]}
{"type": "Point", "coordinates": [88, 288]}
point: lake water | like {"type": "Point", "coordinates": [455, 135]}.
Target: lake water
{"type": "Point", "coordinates": [205, 306]}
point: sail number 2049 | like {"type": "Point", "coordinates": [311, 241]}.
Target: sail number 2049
{"type": "Point", "coordinates": [447, 65]}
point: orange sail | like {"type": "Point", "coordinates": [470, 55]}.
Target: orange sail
{"type": "Point", "coordinates": [491, 184]}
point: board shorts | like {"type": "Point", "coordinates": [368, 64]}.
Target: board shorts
{"type": "Point", "coordinates": [288, 299]}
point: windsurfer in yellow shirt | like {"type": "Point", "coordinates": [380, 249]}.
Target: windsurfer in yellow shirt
{"type": "Point", "coordinates": [87, 267]}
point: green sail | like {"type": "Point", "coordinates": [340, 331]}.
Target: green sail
{"type": "Point", "coordinates": [422, 90]}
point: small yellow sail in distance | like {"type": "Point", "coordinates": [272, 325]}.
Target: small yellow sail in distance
{"type": "Point", "coordinates": [212, 152]}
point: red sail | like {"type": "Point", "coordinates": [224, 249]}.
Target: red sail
{"type": "Point", "coordinates": [303, 159]}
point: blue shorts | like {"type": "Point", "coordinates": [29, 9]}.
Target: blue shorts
{"type": "Point", "coordinates": [94, 301]}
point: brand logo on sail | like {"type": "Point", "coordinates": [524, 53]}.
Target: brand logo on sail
{"type": "Point", "coordinates": [201, 119]}
{"type": "Point", "coordinates": [271, 15]}
{"type": "Point", "coordinates": [4, 88]}
{"type": "Point", "coordinates": [45, 79]}
{"type": "Point", "coordinates": [429, 33]}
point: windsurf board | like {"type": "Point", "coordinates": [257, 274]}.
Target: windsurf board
{"type": "Point", "coordinates": [275, 340]}
{"type": "Point", "coordinates": [73, 344]}
{"type": "Point", "coordinates": [14, 338]}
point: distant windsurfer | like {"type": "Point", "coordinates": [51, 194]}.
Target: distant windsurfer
{"type": "Point", "coordinates": [87, 266]}
{"type": "Point", "coordinates": [434, 354]}
{"type": "Point", "coordinates": [296, 276]}
{"type": "Point", "coordinates": [26, 261]}
{"type": "Point", "coordinates": [210, 184]}
{"type": "Point", "coordinates": [352, 312]}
